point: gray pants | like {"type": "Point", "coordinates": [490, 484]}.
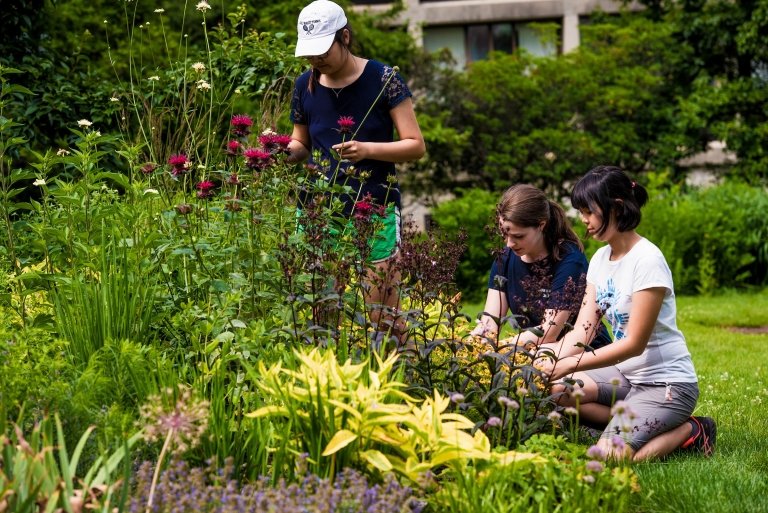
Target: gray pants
{"type": "Point", "coordinates": [651, 408]}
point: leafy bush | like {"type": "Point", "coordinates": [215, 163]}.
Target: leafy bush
{"type": "Point", "coordinates": [555, 476]}
{"type": "Point", "coordinates": [712, 237]}
{"type": "Point", "coordinates": [471, 213]}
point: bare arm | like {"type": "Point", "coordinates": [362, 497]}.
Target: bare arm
{"type": "Point", "coordinates": [584, 329]}
{"type": "Point", "coordinates": [496, 306]}
{"type": "Point", "coordinates": [646, 305]}
{"type": "Point", "coordinates": [300, 143]}
{"type": "Point", "coordinates": [409, 146]}
{"type": "Point", "coordinates": [552, 325]}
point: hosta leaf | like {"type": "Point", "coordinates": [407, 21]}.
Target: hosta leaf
{"type": "Point", "coordinates": [378, 460]}
{"type": "Point", "coordinates": [340, 440]}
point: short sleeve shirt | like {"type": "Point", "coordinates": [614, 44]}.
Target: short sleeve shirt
{"type": "Point", "coordinates": [666, 358]}
{"type": "Point", "coordinates": [532, 288]}
{"type": "Point", "coordinates": [368, 101]}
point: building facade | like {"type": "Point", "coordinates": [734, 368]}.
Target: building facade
{"type": "Point", "coordinates": [472, 28]}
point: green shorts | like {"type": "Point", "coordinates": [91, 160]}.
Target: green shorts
{"type": "Point", "coordinates": [385, 242]}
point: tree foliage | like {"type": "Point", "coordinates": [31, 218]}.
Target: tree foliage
{"type": "Point", "coordinates": [727, 74]}
{"type": "Point", "coordinates": [518, 118]}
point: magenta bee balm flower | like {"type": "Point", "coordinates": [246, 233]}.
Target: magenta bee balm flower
{"type": "Point", "coordinates": [256, 158]}
{"type": "Point", "coordinates": [205, 189]}
{"type": "Point", "coordinates": [345, 124]}
{"type": "Point", "coordinates": [180, 164]}
{"type": "Point", "coordinates": [275, 143]}
{"type": "Point", "coordinates": [241, 125]}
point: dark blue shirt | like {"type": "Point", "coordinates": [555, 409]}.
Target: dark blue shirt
{"type": "Point", "coordinates": [379, 89]}
{"type": "Point", "coordinates": [547, 284]}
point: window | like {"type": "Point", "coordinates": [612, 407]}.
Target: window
{"type": "Point", "coordinates": [470, 43]}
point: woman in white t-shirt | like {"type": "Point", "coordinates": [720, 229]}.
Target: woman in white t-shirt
{"type": "Point", "coordinates": [643, 387]}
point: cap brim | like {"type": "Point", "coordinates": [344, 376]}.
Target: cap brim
{"type": "Point", "coordinates": [314, 46]}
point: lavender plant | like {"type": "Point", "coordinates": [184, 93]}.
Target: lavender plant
{"type": "Point", "coordinates": [182, 488]}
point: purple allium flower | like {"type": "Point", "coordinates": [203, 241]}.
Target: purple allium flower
{"type": "Point", "coordinates": [594, 466]}
{"type": "Point", "coordinates": [508, 403]}
{"type": "Point", "coordinates": [494, 422]}
{"type": "Point", "coordinates": [618, 442]}
{"type": "Point", "coordinates": [457, 398]}
{"type": "Point", "coordinates": [596, 453]}
{"type": "Point", "coordinates": [185, 421]}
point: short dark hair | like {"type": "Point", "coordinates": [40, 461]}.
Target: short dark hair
{"type": "Point", "coordinates": [611, 191]}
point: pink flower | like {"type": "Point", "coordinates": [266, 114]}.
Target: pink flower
{"type": "Point", "coordinates": [275, 143]}
{"type": "Point", "coordinates": [494, 422]}
{"type": "Point", "coordinates": [366, 208]}
{"type": "Point", "coordinates": [204, 189]}
{"type": "Point", "coordinates": [233, 179]}
{"type": "Point", "coordinates": [180, 164]}
{"type": "Point", "coordinates": [233, 147]}
{"type": "Point", "coordinates": [345, 124]}
{"type": "Point", "coordinates": [594, 466]}
{"type": "Point", "coordinates": [256, 158]}
{"type": "Point", "coordinates": [241, 125]}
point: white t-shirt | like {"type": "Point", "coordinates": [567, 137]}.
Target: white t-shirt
{"type": "Point", "coordinates": [666, 358]}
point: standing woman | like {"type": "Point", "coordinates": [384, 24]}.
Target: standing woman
{"type": "Point", "coordinates": [350, 107]}
{"type": "Point", "coordinates": [539, 277]}
{"type": "Point", "coordinates": [648, 366]}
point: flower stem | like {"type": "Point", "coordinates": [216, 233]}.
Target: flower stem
{"type": "Point", "coordinates": [156, 474]}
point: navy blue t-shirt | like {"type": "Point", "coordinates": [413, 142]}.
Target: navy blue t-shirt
{"type": "Point", "coordinates": [533, 288]}
{"type": "Point", "coordinates": [321, 110]}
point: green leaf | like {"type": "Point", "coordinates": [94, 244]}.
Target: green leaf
{"type": "Point", "coordinates": [340, 440]}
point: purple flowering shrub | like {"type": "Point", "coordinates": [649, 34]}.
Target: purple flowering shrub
{"type": "Point", "coordinates": [182, 488]}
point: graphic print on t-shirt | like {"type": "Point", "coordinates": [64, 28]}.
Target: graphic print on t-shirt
{"type": "Point", "coordinates": [607, 301]}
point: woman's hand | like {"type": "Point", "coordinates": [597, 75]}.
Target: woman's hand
{"type": "Point", "coordinates": [354, 151]}
{"type": "Point", "coordinates": [556, 369]}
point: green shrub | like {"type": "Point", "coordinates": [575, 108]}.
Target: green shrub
{"type": "Point", "coordinates": [712, 237]}
{"type": "Point", "coordinates": [471, 213]}
{"type": "Point", "coordinates": [554, 476]}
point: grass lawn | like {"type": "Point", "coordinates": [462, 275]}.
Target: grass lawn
{"type": "Point", "coordinates": [732, 365]}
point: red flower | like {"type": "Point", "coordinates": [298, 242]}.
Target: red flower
{"type": "Point", "coordinates": [241, 125]}
{"type": "Point", "coordinates": [233, 147]}
{"type": "Point", "coordinates": [275, 143]}
{"type": "Point", "coordinates": [180, 164]}
{"type": "Point", "coordinates": [366, 208]}
{"type": "Point", "coordinates": [256, 158]}
{"type": "Point", "coordinates": [233, 179]}
{"type": "Point", "coordinates": [345, 124]}
{"type": "Point", "coordinates": [204, 189]}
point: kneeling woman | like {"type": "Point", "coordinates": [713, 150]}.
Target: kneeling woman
{"type": "Point", "coordinates": [648, 365]}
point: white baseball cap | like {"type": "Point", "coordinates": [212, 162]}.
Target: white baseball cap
{"type": "Point", "coordinates": [318, 23]}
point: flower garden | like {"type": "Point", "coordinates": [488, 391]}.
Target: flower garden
{"type": "Point", "coordinates": [177, 336]}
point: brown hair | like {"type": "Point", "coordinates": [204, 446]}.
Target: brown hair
{"type": "Point", "coordinates": [337, 38]}
{"type": "Point", "coordinates": [527, 206]}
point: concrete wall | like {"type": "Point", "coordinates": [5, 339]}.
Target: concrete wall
{"type": "Point", "coordinates": [461, 12]}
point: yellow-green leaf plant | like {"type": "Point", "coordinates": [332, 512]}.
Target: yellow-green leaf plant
{"type": "Point", "coordinates": [356, 415]}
